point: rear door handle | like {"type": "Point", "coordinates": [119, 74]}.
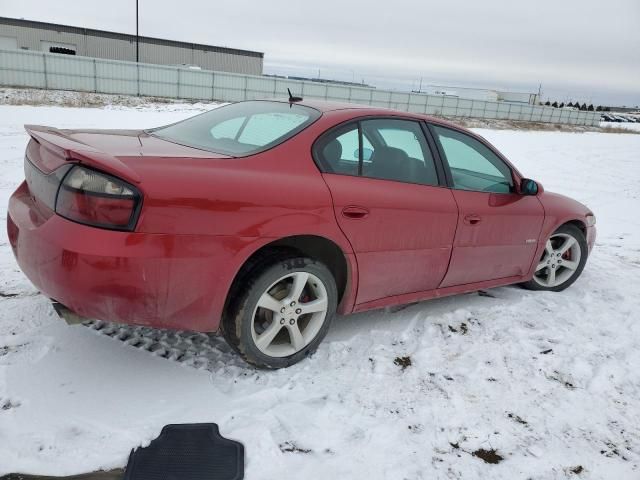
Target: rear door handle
{"type": "Point", "coordinates": [472, 219]}
{"type": "Point", "coordinates": [355, 212]}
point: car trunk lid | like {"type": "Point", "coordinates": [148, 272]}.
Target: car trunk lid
{"type": "Point", "coordinates": [114, 151]}
{"type": "Point", "coordinates": [51, 149]}
{"type": "Point", "coordinates": [51, 152]}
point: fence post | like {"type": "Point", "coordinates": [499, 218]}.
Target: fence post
{"type": "Point", "coordinates": [138, 79]}
{"type": "Point", "coordinates": [275, 88]}
{"type": "Point", "coordinates": [95, 77]}
{"type": "Point", "coordinates": [44, 69]}
{"type": "Point", "coordinates": [213, 86]}
{"type": "Point", "coordinates": [178, 89]}
{"type": "Point", "coordinates": [246, 81]}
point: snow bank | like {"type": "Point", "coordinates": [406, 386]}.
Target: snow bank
{"type": "Point", "coordinates": [550, 381]}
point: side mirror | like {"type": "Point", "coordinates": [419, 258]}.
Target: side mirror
{"type": "Point", "coordinates": [528, 187]}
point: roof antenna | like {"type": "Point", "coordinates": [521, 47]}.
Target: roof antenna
{"type": "Point", "coordinates": [292, 98]}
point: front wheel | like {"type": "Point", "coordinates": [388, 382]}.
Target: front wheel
{"type": "Point", "coordinates": [283, 313]}
{"type": "Point", "coordinates": [562, 261]}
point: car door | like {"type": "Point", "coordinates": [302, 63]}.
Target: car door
{"type": "Point", "coordinates": [498, 229]}
{"type": "Point", "coordinates": [391, 204]}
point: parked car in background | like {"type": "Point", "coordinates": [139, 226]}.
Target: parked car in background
{"type": "Point", "coordinates": [262, 219]}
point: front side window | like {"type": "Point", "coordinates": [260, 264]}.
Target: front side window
{"type": "Point", "coordinates": [473, 165]}
{"type": "Point", "coordinates": [391, 149]}
{"type": "Point", "coordinates": [240, 129]}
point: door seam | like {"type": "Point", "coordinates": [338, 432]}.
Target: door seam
{"type": "Point", "coordinates": [355, 255]}
{"type": "Point", "coordinates": [453, 241]}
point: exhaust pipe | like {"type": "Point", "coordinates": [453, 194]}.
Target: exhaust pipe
{"type": "Point", "coordinates": [67, 315]}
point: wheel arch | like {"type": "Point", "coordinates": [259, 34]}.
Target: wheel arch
{"type": "Point", "coordinates": [530, 282]}
{"type": "Point", "coordinates": [551, 225]}
{"type": "Point", "coordinates": [576, 223]}
{"type": "Point", "coordinates": [317, 247]}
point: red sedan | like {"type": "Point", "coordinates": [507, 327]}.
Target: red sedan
{"type": "Point", "coordinates": [263, 219]}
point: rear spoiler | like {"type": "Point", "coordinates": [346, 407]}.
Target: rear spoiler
{"type": "Point", "coordinates": [67, 148]}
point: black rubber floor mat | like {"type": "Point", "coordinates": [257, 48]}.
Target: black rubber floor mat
{"type": "Point", "coordinates": [110, 475]}
{"type": "Point", "coordinates": [188, 452]}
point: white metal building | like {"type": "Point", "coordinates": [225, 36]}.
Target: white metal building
{"type": "Point", "coordinates": [63, 39]}
{"type": "Point", "coordinates": [483, 94]}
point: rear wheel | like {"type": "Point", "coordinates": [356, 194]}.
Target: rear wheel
{"type": "Point", "coordinates": [283, 313]}
{"type": "Point", "coordinates": [562, 261]}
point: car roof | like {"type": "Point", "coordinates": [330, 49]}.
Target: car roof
{"type": "Point", "coordinates": [322, 105]}
{"type": "Point", "coordinates": [326, 106]}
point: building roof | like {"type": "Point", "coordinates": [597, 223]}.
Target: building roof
{"type": "Point", "coordinates": [105, 33]}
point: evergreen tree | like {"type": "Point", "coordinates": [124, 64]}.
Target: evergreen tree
{"type": "Point", "coordinates": [598, 108]}
{"type": "Point", "coordinates": [583, 107]}
{"type": "Point", "coordinates": [561, 105]}
{"type": "Point", "coordinates": [570, 104]}
{"type": "Point", "coordinates": [548, 104]}
{"type": "Point", "coordinates": [554, 104]}
{"type": "Point", "coordinates": [590, 108]}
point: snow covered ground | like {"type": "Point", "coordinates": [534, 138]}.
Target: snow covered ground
{"type": "Point", "coordinates": [550, 381]}
{"type": "Point", "coordinates": [627, 126]}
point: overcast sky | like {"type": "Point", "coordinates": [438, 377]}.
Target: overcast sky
{"type": "Point", "coordinates": [587, 50]}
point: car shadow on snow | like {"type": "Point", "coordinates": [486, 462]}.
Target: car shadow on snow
{"type": "Point", "coordinates": [210, 352]}
{"type": "Point", "coordinates": [192, 349]}
{"type": "Point", "coordinates": [399, 317]}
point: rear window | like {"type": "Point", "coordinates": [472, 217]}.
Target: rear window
{"type": "Point", "coordinates": [240, 129]}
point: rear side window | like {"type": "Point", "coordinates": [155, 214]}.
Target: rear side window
{"type": "Point", "coordinates": [240, 129]}
{"type": "Point", "coordinates": [339, 152]}
{"type": "Point", "coordinates": [401, 152]}
{"type": "Point", "coordinates": [391, 149]}
{"type": "Point", "coordinates": [403, 139]}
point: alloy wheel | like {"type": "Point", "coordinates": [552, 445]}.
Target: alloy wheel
{"type": "Point", "coordinates": [560, 260]}
{"type": "Point", "coordinates": [289, 314]}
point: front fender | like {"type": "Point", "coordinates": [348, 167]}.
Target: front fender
{"type": "Point", "coordinates": [559, 210]}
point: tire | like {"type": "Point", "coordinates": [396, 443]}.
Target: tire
{"type": "Point", "coordinates": [272, 326]}
{"type": "Point", "coordinates": [552, 271]}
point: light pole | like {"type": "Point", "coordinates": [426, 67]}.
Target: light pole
{"type": "Point", "coordinates": [137, 36]}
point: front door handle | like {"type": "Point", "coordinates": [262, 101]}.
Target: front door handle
{"type": "Point", "coordinates": [355, 212]}
{"type": "Point", "coordinates": [472, 219]}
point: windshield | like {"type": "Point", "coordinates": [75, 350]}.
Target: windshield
{"type": "Point", "coordinates": [240, 129]}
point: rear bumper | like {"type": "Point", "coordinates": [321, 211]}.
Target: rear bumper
{"type": "Point", "coordinates": [165, 281]}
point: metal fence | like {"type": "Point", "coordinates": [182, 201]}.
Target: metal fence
{"type": "Point", "coordinates": [64, 72]}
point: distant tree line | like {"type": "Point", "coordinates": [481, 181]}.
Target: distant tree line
{"type": "Point", "coordinates": [584, 106]}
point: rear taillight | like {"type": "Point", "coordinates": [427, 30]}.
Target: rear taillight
{"type": "Point", "coordinates": [97, 199]}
